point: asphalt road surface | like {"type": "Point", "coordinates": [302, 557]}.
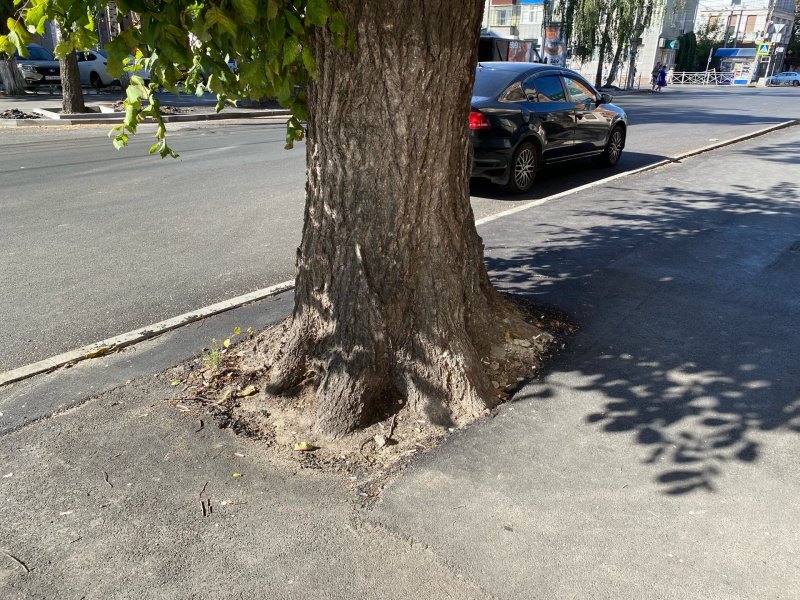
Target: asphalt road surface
{"type": "Point", "coordinates": [98, 242]}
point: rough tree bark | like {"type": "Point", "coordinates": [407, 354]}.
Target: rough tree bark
{"type": "Point", "coordinates": [612, 73]}
{"type": "Point", "coordinates": [72, 99]}
{"type": "Point", "coordinates": [605, 42]}
{"type": "Point", "coordinates": [11, 78]}
{"type": "Point", "coordinates": [392, 299]}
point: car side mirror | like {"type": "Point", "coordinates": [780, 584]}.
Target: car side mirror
{"type": "Point", "coordinates": [605, 98]}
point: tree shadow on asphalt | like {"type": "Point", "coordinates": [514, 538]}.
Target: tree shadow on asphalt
{"type": "Point", "coordinates": [694, 116]}
{"type": "Point", "coordinates": [696, 382]}
{"type": "Point", "coordinates": [563, 177]}
{"type": "Point", "coordinates": [785, 152]}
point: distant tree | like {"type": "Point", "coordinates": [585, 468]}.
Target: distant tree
{"type": "Point", "coordinates": [707, 39]}
{"type": "Point", "coordinates": [10, 77]}
{"type": "Point", "coordinates": [75, 31]}
{"type": "Point", "coordinates": [793, 48]}
{"type": "Point", "coordinates": [603, 29]}
{"type": "Point", "coordinates": [686, 56]}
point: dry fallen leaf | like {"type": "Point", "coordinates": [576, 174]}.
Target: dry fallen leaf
{"type": "Point", "coordinates": [248, 391]}
{"type": "Point", "coordinates": [225, 396]}
{"type": "Point", "coordinates": [304, 447]}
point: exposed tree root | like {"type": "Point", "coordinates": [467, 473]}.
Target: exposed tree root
{"type": "Point", "coordinates": [429, 391]}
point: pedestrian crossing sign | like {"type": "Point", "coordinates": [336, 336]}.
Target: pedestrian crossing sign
{"type": "Point", "coordinates": [764, 49]}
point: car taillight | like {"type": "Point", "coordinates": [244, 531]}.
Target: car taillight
{"type": "Point", "coordinates": [478, 120]}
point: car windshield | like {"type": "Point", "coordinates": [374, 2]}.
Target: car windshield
{"type": "Point", "coordinates": [490, 82]}
{"type": "Point", "coordinates": [37, 53]}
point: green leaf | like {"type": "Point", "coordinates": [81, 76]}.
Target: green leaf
{"type": "Point", "coordinates": [16, 43]}
{"type": "Point", "coordinates": [291, 49]}
{"type": "Point", "coordinates": [317, 12]}
{"type": "Point", "coordinates": [309, 63]}
{"type": "Point", "coordinates": [237, 330]}
{"type": "Point", "coordinates": [294, 23]}
{"type": "Point", "coordinates": [272, 10]}
{"type": "Point", "coordinates": [248, 9]}
{"type": "Point", "coordinates": [121, 141]}
{"type": "Point", "coordinates": [154, 148]}
{"type": "Point", "coordinates": [63, 48]}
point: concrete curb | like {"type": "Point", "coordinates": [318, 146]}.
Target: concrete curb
{"type": "Point", "coordinates": [138, 335]}
{"type": "Point", "coordinates": [133, 337]}
{"type": "Point", "coordinates": [53, 118]}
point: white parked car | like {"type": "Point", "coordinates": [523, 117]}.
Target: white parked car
{"type": "Point", "coordinates": [785, 78]}
{"type": "Point", "coordinates": [92, 66]}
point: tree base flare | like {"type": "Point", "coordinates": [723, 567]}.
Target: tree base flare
{"type": "Point", "coordinates": [268, 389]}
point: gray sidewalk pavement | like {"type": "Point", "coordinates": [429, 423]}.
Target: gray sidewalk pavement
{"type": "Point", "coordinates": [657, 458]}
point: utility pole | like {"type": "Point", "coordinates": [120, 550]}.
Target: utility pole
{"type": "Point", "coordinates": [738, 22]}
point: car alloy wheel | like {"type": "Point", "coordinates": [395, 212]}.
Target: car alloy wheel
{"type": "Point", "coordinates": [796, 82]}
{"type": "Point", "coordinates": [615, 146]}
{"type": "Point", "coordinates": [613, 149]}
{"type": "Point", "coordinates": [525, 168]}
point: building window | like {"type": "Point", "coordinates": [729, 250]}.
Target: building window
{"type": "Point", "coordinates": [501, 17]}
{"type": "Point", "coordinates": [528, 15]}
{"type": "Point", "coordinates": [750, 24]}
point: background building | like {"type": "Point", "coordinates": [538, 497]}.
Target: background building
{"type": "Point", "coordinates": [519, 20]}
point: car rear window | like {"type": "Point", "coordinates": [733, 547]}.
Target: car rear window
{"type": "Point", "coordinates": [490, 82]}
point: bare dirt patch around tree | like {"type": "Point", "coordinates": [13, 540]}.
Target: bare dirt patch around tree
{"type": "Point", "coordinates": [229, 384]}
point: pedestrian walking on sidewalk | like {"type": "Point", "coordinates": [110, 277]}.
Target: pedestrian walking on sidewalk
{"type": "Point", "coordinates": [654, 77]}
{"type": "Point", "coordinates": [662, 78]}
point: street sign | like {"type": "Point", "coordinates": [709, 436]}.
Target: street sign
{"type": "Point", "coordinates": [764, 49]}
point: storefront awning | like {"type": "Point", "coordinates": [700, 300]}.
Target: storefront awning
{"type": "Point", "coordinates": [735, 53]}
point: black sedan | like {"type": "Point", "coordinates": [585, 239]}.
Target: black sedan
{"type": "Point", "coordinates": [40, 67]}
{"type": "Point", "coordinates": [526, 115]}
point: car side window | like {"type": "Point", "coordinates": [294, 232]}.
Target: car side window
{"type": "Point", "coordinates": [579, 93]}
{"type": "Point", "coordinates": [545, 89]}
{"type": "Point", "coordinates": [514, 93]}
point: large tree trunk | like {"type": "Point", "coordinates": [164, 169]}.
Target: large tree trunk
{"type": "Point", "coordinates": [392, 299]}
{"type": "Point", "coordinates": [13, 82]}
{"type": "Point", "coordinates": [612, 73]}
{"type": "Point", "coordinates": [71, 85]}
{"type": "Point", "coordinates": [605, 42]}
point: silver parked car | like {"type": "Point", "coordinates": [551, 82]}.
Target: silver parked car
{"type": "Point", "coordinates": [785, 78]}
{"type": "Point", "coordinates": [92, 66]}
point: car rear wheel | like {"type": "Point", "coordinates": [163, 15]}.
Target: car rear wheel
{"type": "Point", "coordinates": [95, 81]}
{"type": "Point", "coordinates": [796, 82]}
{"type": "Point", "coordinates": [523, 170]}
{"type": "Point", "coordinates": [613, 150]}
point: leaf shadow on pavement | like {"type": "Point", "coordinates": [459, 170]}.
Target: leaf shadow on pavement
{"type": "Point", "coordinates": [691, 316]}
